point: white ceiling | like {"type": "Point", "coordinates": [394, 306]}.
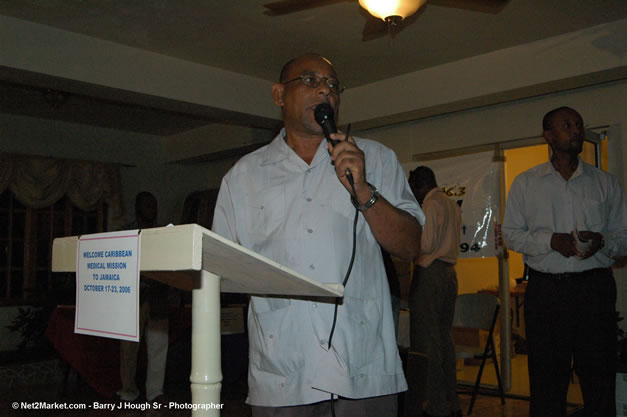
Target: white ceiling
{"type": "Point", "coordinates": [237, 36]}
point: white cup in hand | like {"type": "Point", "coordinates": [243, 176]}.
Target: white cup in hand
{"type": "Point", "coordinates": [581, 244]}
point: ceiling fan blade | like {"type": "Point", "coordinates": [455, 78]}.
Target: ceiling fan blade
{"type": "Point", "coordinates": [282, 7]}
{"type": "Point", "coordinates": [376, 28]}
{"type": "Point", "coordinates": [484, 6]}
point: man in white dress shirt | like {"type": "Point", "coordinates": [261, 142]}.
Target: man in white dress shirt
{"type": "Point", "coordinates": [571, 295]}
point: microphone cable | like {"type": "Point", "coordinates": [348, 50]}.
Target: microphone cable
{"type": "Point", "coordinates": [350, 268]}
{"type": "Point", "coordinates": [348, 271]}
{"type": "Point", "coordinates": [352, 260]}
{"type": "Point", "coordinates": [351, 181]}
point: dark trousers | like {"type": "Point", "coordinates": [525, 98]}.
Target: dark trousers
{"type": "Point", "coordinates": [432, 307]}
{"type": "Point", "coordinates": [571, 321]}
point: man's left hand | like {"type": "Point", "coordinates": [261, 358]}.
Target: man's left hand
{"type": "Point", "coordinates": [348, 158]}
{"type": "Point", "coordinates": [597, 243]}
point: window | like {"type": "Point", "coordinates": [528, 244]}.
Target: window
{"type": "Point", "coordinates": [26, 236]}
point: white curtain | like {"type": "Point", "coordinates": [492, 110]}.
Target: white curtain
{"type": "Point", "coordinates": [40, 182]}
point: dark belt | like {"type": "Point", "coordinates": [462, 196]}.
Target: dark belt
{"type": "Point", "coordinates": [569, 275]}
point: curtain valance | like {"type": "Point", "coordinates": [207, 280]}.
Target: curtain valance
{"type": "Point", "coordinates": [40, 182]}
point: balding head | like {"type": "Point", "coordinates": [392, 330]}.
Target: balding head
{"type": "Point", "coordinates": [285, 71]}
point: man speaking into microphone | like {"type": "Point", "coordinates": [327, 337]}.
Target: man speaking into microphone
{"type": "Point", "coordinates": [292, 202]}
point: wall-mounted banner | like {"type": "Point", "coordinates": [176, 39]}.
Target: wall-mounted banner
{"type": "Point", "coordinates": [473, 182]}
{"type": "Point", "coordinates": [107, 285]}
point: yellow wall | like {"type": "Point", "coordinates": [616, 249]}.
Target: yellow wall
{"type": "Point", "coordinates": [474, 274]}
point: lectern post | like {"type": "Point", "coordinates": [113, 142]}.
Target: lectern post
{"type": "Point", "coordinates": [206, 376]}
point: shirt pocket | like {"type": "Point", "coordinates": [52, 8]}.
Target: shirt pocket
{"type": "Point", "coordinates": [340, 204]}
{"type": "Point", "coordinates": [360, 342]}
{"type": "Point", "coordinates": [273, 338]}
{"type": "Point", "coordinates": [267, 211]}
{"type": "Point", "coordinates": [592, 215]}
{"type": "Point", "coordinates": [341, 212]}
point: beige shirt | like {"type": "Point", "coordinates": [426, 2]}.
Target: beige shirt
{"type": "Point", "coordinates": [441, 233]}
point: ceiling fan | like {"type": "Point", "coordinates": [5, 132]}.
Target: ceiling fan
{"type": "Point", "coordinates": [382, 25]}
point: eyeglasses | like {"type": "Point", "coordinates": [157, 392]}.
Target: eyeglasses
{"type": "Point", "coordinates": [314, 81]}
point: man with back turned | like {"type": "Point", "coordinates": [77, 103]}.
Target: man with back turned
{"type": "Point", "coordinates": [433, 294]}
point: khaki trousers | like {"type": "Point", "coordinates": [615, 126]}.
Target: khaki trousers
{"type": "Point", "coordinates": [156, 333]}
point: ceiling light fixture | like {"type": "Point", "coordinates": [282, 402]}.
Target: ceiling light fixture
{"type": "Point", "coordinates": [392, 11]}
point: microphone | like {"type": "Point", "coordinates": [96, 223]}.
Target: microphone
{"type": "Point", "coordinates": [324, 115]}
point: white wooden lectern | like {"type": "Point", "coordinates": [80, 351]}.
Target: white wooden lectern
{"type": "Point", "coordinates": [193, 258]}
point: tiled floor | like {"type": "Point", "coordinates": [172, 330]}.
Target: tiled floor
{"type": "Point", "coordinates": [77, 393]}
{"type": "Point", "coordinates": [516, 401]}
{"type": "Point", "coordinates": [233, 397]}
{"type": "Point", "coordinates": [519, 380]}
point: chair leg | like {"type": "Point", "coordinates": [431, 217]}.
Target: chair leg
{"type": "Point", "coordinates": [498, 375]}
{"type": "Point", "coordinates": [477, 382]}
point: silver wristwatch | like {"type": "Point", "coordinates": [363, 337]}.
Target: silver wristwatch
{"type": "Point", "coordinates": [374, 196]}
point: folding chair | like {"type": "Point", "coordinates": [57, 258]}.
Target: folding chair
{"type": "Point", "coordinates": [478, 311]}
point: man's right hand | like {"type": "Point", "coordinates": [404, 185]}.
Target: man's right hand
{"type": "Point", "coordinates": [564, 243]}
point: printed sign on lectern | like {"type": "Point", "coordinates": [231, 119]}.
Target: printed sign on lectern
{"type": "Point", "coordinates": [107, 285]}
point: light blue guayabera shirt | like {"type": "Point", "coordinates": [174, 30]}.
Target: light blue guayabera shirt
{"type": "Point", "coordinates": [301, 216]}
{"type": "Point", "coordinates": [541, 202]}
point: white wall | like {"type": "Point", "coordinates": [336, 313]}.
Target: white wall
{"type": "Point", "coordinates": [45, 50]}
{"type": "Point", "coordinates": [586, 57]}
{"type": "Point", "coordinates": [603, 105]}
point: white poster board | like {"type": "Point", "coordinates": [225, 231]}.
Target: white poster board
{"type": "Point", "coordinates": [107, 285]}
{"type": "Point", "coordinates": [473, 182]}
